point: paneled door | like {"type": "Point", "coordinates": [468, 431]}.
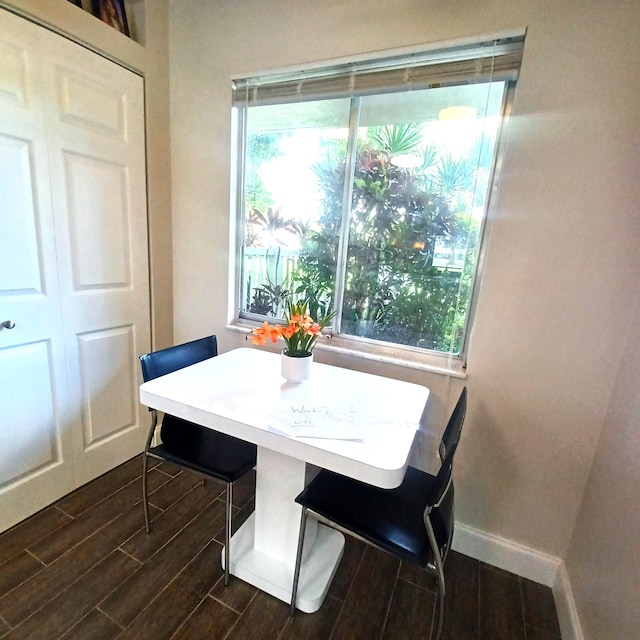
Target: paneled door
{"type": "Point", "coordinates": [73, 266]}
{"type": "Point", "coordinates": [35, 439]}
{"type": "Point", "coordinates": [95, 133]}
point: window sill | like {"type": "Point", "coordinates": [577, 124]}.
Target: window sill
{"type": "Point", "coordinates": [430, 362]}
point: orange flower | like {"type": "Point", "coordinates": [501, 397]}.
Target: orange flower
{"type": "Point", "coordinates": [296, 320]}
{"type": "Point", "coordinates": [314, 329]}
{"type": "Point", "coordinates": [299, 334]}
{"type": "Point", "coordinates": [288, 331]}
{"type": "Point", "coordinates": [266, 332]}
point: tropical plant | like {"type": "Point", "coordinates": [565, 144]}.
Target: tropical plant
{"type": "Point", "coordinates": [263, 228]}
{"type": "Point", "coordinates": [392, 291]}
{"type": "Point", "coordinates": [399, 212]}
{"type": "Point", "coordinates": [268, 298]}
{"type": "Point", "coordinates": [396, 139]}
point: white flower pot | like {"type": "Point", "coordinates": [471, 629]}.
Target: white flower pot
{"type": "Point", "coordinates": [296, 369]}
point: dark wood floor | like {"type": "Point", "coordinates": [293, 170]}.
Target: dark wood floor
{"type": "Point", "coordinates": [84, 569]}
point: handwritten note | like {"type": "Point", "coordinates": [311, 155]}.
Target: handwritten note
{"type": "Point", "coordinates": [308, 420]}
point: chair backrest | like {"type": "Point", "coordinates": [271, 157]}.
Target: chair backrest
{"type": "Point", "coordinates": [451, 435]}
{"type": "Point", "coordinates": [164, 361]}
{"type": "Point", "coordinates": [448, 446]}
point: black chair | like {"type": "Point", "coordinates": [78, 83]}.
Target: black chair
{"type": "Point", "coordinates": [204, 451]}
{"type": "Point", "coordinates": [414, 522]}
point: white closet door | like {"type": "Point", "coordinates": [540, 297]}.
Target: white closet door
{"type": "Point", "coordinates": [36, 455]}
{"type": "Point", "coordinates": [95, 130]}
{"type": "Point", "coordinates": [73, 266]}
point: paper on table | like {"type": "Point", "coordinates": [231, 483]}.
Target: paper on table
{"type": "Point", "coordinates": [308, 420]}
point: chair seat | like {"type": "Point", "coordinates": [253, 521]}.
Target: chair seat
{"type": "Point", "coordinates": [204, 450]}
{"type": "Point", "coordinates": [389, 518]}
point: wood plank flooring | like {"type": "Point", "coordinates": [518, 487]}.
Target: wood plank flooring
{"type": "Point", "coordinates": [84, 569]}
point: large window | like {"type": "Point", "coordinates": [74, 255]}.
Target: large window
{"type": "Point", "coordinates": [363, 188]}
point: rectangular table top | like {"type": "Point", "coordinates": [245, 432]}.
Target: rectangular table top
{"type": "Point", "coordinates": [357, 424]}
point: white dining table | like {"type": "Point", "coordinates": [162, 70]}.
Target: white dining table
{"type": "Point", "coordinates": [356, 424]}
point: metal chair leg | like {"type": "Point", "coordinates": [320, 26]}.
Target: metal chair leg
{"type": "Point", "coordinates": [441, 612]}
{"type": "Point", "coordinates": [296, 572]}
{"type": "Point", "coordinates": [450, 537]}
{"type": "Point", "coordinates": [437, 561]}
{"type": "Point", "coordinates": [227, 533]}
{"type": "Point", "coordinates": [145, 497]}
{"type": "Point", "coordinates": [145, 458]}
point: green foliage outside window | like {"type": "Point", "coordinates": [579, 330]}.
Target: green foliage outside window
{"type": "Point", "coordinates": [393, 290]}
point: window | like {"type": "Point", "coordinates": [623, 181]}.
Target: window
{"type": "Point", "coordinates": [364, 188]}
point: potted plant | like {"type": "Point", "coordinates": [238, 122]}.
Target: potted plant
{"type": "Point", "coordinates": [299, 333]}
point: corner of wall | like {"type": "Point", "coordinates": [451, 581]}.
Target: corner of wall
{"type": "Point", "coordinates": [528, 563]}
{"type": "Point", "coordinates": [568, 618]}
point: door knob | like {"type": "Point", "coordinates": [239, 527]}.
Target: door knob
{"type": "Point", "coordinates": [8, 324]}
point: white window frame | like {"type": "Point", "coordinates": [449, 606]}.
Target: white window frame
{"type": "Point", "coordinates": [510, 46]}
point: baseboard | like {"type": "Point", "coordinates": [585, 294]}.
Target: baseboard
{"type": "Point", "coordinates": [568, 617]}
{"type": "Point", "coordinates": [528, 563]}
{"type": "Point", "coordinates": [506, 554]}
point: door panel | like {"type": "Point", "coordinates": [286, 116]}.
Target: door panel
{"type": "Point", "coordinates": [36, 454]}
{"type": "Point", "coordinates": [109, 398]}
{"type": "Point", "coordinates": [98, 218]}
{"type": "Point", "coordinates": [73, 265]}
{"type": "Point", "coordinates": [13, 72]}
{"type": "Point", "coordinates": [19, 257]}
{"type": "Point", "coordinates": [85, 102]}
{"type": "Point", "coordinates": [27, 396]}
{"type": "Point", "coordinates": [95, 129]}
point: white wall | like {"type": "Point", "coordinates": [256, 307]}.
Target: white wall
{"type": "Point", "coordinates": [603, 562]}
{"type": "Point", "coordinates": [562, 263]}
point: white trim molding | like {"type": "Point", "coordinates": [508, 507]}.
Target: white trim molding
{"type": "Point", "coordinates": [527, 563]}
{"type": "Point", "coordinates": [570, 626]}
{"type": "Point", "coordinates": [506, 554]}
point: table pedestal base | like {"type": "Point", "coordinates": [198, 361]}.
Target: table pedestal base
{"type": "Point", "coordinates": [276, 577]}
{"type": "Point", "coordinates": [263, 550]}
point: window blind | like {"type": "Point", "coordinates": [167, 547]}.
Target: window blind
{"type": "Point", "coordinates": [491, 60]}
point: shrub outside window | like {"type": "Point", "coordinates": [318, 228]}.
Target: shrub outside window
{"type": "Point", "coordinates": [364, 189]}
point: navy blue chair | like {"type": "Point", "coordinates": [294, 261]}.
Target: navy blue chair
{"type": "Point", "coordinates": [414, 522]}
{"type": "Point", "coordinates": [206, 452]}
